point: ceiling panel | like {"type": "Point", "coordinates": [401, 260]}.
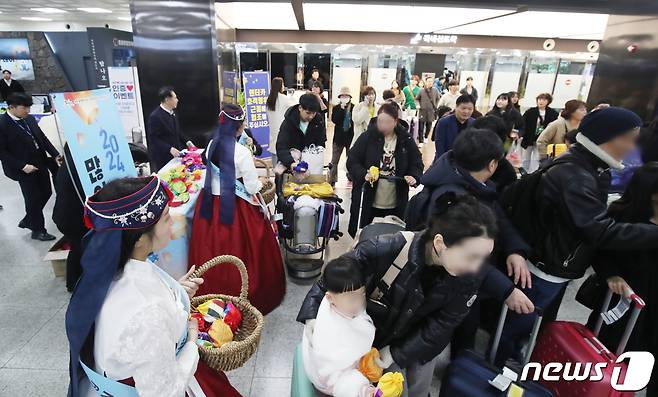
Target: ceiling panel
{"type": "Point", "coordinates": [390, 18]}
{"type": "Point", "coordinates": [540, 24]}
{"type": "Point", "coordinates": [257, 15]}
{"type": "Point", "coordinates": [14, 10]}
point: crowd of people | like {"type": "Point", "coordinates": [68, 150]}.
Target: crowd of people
{"type": "Point", "coordinates": [482, 232]}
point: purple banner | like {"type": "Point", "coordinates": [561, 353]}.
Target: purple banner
{"type": "Point", "coordinates": [256, 90]}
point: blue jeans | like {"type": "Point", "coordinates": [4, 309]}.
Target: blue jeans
{"type": "Point", "coordinates": [519, 326]}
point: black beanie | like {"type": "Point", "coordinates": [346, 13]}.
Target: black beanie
{"type": "Point", "coordinates": [603, 125]}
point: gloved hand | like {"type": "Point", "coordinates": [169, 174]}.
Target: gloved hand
{"type": "Point", "coordinates": [385, 358]}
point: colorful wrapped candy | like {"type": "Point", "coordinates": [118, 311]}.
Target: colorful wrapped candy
{"type": "Point", "coordinates": [185, 178]}
{"type": "Point", "coordinates": [212, 310]}
{"type": "Point", "coordinates": [369, 368]}
{"type": "Point", "coordinates": [220, 333]}
{"type": "Point", "coordinates": [232, 316]}
{"type": "Point", "coordinates": [390, 385]}
{"type": "Point", "coordinates": [201, 322]}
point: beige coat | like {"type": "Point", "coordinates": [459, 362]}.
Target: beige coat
{"type": "Point", "coordinates": [553, 134]}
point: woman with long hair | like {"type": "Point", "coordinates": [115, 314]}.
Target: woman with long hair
{"type": "Point", "coordinates": [570, 118]}
{"type": "Point", "coordinates": [388, 146]}
{"type": "Point", "coordinates": [229, 220]}
{"type": "Point", "coordinates": [514, 99]}
{"type": "Point", "coordinates": [276, 105]}
{"type": "Point", "coordinates": [127, 322]}
{"type": "Point", "coordinates": [634, 271]}
{"type": "Point", "coordinates": [504, 109]}
{"type": "Point", "coordinates": [399, 96]}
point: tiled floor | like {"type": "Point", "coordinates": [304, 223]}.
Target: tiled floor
{"type": "Point", "coordinates": [33, 346]}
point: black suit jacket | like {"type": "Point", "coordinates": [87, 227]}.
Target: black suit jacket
{"type": "Point", "coordinates": [6, 90]}
{"type": "Point", "coordinates": [17, 148]}
{"type": "Point", "coordinates": [163, 133]}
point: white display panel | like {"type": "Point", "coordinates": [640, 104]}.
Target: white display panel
{"type": "Point", "coordinates": [503, 82]}
{"type": "Point", "coordinates": [479, 82]}
{"type": "Point", "coordinates": [567, 87]}
{"type": "Point", "coordinates": [346, 77]}
{"type": "Point", "coordinates": [537, 84]}
{"type": "Point", "coordinates": [380, 79]}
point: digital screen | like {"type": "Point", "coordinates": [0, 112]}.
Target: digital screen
{"type": "Point", "coordinates": [21, 69]}
{"type": "Point", "coordinates": [14, 49]}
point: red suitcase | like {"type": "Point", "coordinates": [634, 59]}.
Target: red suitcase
{"type": "Point", "coordinates": [570, 342]}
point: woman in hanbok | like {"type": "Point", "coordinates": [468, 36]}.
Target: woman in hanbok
{"type": "Point", "coordinates": [230, 220]}
{"type": "Point", "coordinates": [127, 321]}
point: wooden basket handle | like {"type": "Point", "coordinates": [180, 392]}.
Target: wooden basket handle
{"type": "Point", "coordinates": [244, 289]}
{"type": "Point", "coordinates": [268, 168]}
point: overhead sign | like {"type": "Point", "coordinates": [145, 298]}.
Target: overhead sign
{"type": "Point", "coordinates": [97, 142]}
{"type": "Point", "coordinates": [434, 38]}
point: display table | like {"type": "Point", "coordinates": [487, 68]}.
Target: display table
{"type": "Point", "coordinates": [173, 259]}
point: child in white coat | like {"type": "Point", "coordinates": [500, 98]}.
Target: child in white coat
{"type": "Point", "coordinates": [342, 333]}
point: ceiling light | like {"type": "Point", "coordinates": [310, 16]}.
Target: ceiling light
{"type": "Point", "coordinates": [95, 10]}
{"type": "Point", "coordinates": [36, 19]}
{"type": "Point", "coordinates": [124, 19]}
{"type": "Point", "coordinates": [49, 10]}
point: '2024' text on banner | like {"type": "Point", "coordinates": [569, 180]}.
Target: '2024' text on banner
{"type": "Point", "coordinates": [256, 90]}
{"type": "Point", "coordinates": [91, 124]}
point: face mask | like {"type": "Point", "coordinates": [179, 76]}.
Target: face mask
{"type": "Point", "coordinates": [344, 100]}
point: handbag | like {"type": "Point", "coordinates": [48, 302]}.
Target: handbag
{"type": "Point", "coordinates": [591, 292]}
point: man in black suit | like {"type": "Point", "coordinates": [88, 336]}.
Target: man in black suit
{"type": "Point", "coordinates": [8, 85]}
{"type": "Point", "coordinates": [165, 140]}
{"type": "Point", "coordinates": [24, 151]}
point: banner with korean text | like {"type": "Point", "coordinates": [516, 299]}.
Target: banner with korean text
{"type": "Point", "coordinates": [256, 90]}
{"type": "Point", "coordinates": [91, 125]}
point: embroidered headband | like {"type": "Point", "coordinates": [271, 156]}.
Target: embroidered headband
{"type": "Point", "coordinates": [139, 210]}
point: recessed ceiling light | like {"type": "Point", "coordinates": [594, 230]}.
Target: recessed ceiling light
{"type": "Point", "coordinates": [49, 10]}
{"type": "Point", "coordinates": [36, 19]}
{"type": "Point", "coordinates": [95, 10]}
{"type": "Point", "coordinates": [124, 19]}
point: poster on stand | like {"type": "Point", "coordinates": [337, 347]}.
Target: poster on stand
{"type": "Point", "coordinates": [124, 84]}
{"type": "Point", "coordinates": [256, 90]}
{"type": "Point", "coordinates": [229, 82]}
{"type": "Point", "coordinates": [97, 142]}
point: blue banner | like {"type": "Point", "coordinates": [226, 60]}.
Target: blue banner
{"type": "Point", "coordinates": [256, 90]}
{"type": "Point", "coordinates": [229, 85]}
{"type": "Point", "coordinates": [92, 126]}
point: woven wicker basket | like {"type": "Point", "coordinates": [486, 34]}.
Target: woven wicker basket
{"type": "Point", "coordinates": [234, 354]}
{"type": "Point", "coordinates": [268, 191]}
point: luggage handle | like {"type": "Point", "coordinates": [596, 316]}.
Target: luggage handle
{"type": "Point", "coordinates": [638, 305]}
{"type": "Point", "coordinates": [499, 332]}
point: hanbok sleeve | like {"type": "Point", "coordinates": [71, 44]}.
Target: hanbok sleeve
{"type": "Point", "coordinates": [245, 168]}
{"type": "Point", "coordinates": [148, 348]}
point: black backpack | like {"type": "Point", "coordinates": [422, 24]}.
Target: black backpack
{"type": "Point", "coordinates": [415, 216]}
{"type": "Point", "coordinates": [520, 201]}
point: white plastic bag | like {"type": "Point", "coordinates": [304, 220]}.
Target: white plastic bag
{"type": "Point", "coordinates": [314, 156]}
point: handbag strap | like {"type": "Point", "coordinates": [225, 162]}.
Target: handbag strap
{"type": "Point", "coordinates": [396, 267]}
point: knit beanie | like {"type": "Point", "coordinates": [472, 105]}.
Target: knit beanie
{"type": "Point", "coordinates": [603, 125]}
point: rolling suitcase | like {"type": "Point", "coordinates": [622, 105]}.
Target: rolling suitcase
{"type": "Point", "coordinates": [571, 342]}
{"type": "Point", "coordinates": [470, 375]}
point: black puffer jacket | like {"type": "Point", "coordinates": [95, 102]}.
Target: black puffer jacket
{"type": "Point", "coordinates": [444, 176]}
{"type": "Point", "coordinates": [424, 304]}
{"type": "Point", "coordinates": [367, 151]}
{"type": "Point", "coordinates": [291, 137]}
{"type": "Point", "coordinates": [572, 198]}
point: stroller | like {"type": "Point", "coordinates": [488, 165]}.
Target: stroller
{"type": "Point", "coordinates": [308, 216]}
